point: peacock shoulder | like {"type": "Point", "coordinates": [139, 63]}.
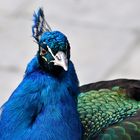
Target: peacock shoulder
{"type": "Point", "coordinates": [102, 108]}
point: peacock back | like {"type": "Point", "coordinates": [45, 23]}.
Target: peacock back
{"type": "Point", "coordinates": [109, 114]}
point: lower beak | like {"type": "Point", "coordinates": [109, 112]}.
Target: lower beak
{"type": "Point", "coordinates": [61, 60]}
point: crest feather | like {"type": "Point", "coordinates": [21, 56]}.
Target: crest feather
{"type": "Point", "coordinates": [39, 24]}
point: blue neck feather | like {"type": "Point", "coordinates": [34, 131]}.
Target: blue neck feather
{"type": "Point", "coordinates": [42, 107]}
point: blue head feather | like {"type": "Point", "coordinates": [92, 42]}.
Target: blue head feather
{"type": "Point", "coordinates": [44, 105]}
{"type": "Point", "coordinates": [54, 39]}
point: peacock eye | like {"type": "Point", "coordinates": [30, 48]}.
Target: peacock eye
{"type": "Point", "coordinates": [43, 51]}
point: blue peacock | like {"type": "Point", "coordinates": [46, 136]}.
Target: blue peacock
{"type": "Point", "coordinates": [48, 104]}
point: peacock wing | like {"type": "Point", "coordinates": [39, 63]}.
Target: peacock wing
{"type": "Point", "coordinates": [100, 109]}
{"type": "Point", "coordinates": [129, 129]}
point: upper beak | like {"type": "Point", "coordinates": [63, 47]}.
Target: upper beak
{"type": "Point", "coordinates": [60, 59]}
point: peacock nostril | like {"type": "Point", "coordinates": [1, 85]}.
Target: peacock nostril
{"type": "Point", "coordinates": [58, 57]}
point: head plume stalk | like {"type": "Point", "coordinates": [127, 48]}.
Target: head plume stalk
{"type": "Point", "coordinates": [40, 25]}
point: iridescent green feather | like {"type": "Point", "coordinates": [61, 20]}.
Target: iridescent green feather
{"type": "Point", "coordinates": [99, 109]}
{"type": "Point", "coordinates": [126, 130]}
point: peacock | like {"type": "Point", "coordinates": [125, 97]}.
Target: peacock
{"type": "Point", "coordinates": [48, 104]}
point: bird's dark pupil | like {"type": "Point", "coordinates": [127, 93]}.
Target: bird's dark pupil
{"type": "Point", "coordinates": [43, 51]}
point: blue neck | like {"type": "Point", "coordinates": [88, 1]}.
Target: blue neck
{"type": "Point", "coordinates": [51, 103]}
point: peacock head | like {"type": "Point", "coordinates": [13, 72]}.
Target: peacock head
{"type": "Point", "coordinates": [54, 49]}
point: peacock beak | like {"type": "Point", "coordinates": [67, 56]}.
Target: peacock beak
{"type": "Point", "coordinates": [61, 60]}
